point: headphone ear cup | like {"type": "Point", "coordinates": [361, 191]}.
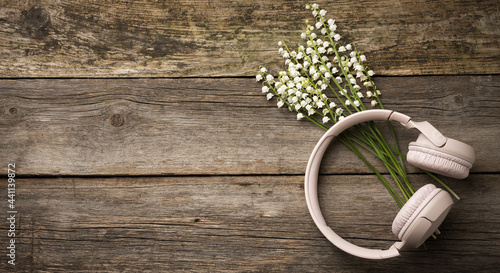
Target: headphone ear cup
{"type": "Point", "coordinates": [411, 209]}
{"type": "Point", "coordinates": [438, 162]}
{"type": "Point", "coordinates": [454, 159]}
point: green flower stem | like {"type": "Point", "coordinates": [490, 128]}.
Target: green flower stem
{"type": "Point", "coordinates": [383, 155]}
{"type": "Point", "coordinates": [381, 141]}
{"type": "Point", "coordinates": [353, 148]}
{"type": "Point", "coordinates": [405, 189]}
{"type": "Point", "coordinates": [375, 91]}
{"type": "Point", "coordinates": [365, 68]}
{"type": "Point", "coordinates": [396, 143]}
{"type": "Point", "coordinates": [387, 161]}
{"type": "Point", "coordinates": [442, 184]}
{"type": "Point", "coordinates": [387, 148]}
{"type": "Point", "coordinates": [390, 167]}
{"type": "Point", "coordinates": [327, 82]}
{"type": "Point", "coordinates": [317, 122]}
{"type": "Point", "coordinates": [339, 60]}
{"type": "Point", "coordinates": [380, 155]}
{"type": "Point", "coordinates": [335, 81]}
{"type": "Point", "coordinates": [322, 77]}
{"type": "Point", "coordinates": [433, 176]}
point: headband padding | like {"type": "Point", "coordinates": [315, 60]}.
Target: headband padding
{"type": "Point", "coordinates": [438, 162]}
{"type": "Point", "coordinates": [411, 209]}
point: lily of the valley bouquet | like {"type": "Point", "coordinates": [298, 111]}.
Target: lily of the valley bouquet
{"type": "Point", "coordinates": [326, 80]}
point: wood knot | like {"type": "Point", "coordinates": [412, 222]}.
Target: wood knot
{"type": "Point", "coordinates": [117, 120]}
{"type": "Point", "coordinates": [458, 99]}
{"type": "Point", "coordinates": [37, 22]}
{"type": "Point", "coordinates": [13, 110]}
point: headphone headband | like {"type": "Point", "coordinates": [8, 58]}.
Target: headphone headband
{"type": "Point", "coordinates": [311, 182]}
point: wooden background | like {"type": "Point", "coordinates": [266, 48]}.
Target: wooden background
{"type": "Point", "coordinates": [143, 143]}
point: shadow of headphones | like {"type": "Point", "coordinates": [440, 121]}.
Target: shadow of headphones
{"type": "Point", "coordinates": [424, 212]}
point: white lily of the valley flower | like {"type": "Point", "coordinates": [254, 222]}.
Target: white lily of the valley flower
{"type": "Point", "coordinates": [309, 76]}
{"type": "Point", "coordinates": [308, 81]}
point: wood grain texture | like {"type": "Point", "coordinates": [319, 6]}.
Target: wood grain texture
{"type": "Point", "coordinates": [184, 166]}
{"type": "Point", "coordinates": [234, 224]}
{"type": "Point", "coordinates": [213, 126]}
{"type": "Point", "coordinates": [232, 38]}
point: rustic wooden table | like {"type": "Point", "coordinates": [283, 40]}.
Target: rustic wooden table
{"type": "Point", "coordinates": [142, 142]}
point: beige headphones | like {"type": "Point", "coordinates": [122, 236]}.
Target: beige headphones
{"type": "Point", "coordinates": [426, 209]}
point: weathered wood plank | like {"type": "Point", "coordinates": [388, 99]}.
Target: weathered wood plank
{"type": "Point", "coordinates": [242, 223]}
{"type": "Point", "coordinates": [232, 38]}
{"type": "Point", "coordinates": [212, 126]}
